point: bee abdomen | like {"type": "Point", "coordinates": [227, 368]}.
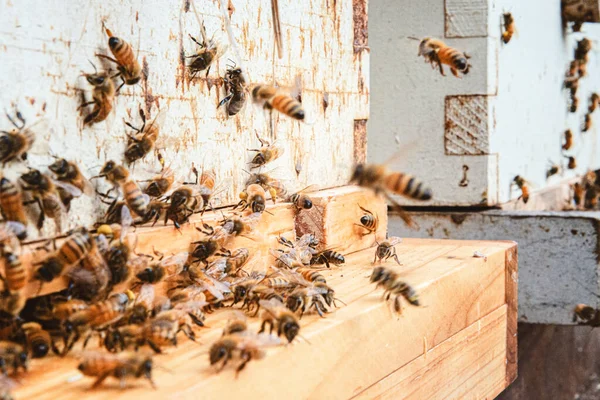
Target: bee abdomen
{"type": "Point", "coordinates": [16, 277]}
{"type": "Point", "coordinates": [121, 50]}
{"type": "Point", "coordinates": [288, 106]}
{"type": "Point", "coordinates": [135, 198]}
{"type": "Point", "coordinates": [334, 257]}
{"type": "Point", "coordinates": [408, 185]}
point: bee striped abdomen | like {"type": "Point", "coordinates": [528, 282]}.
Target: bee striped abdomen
{"type": "Point", "coordinates": [75, 248]}
{"type": "Point", "coordinates": [134, 197]}
{"type": "Point", "coordinates": [453, 58]}
{"type": "Point", "coordinates": [288, 106]}
{"type": "Point", "coordinates": [311, 275]}
{"type": "Point", "coordinates": [15, 274]}
{"type": "Point", "coordinates": [11, 202]}
{"type": "Point", "coordinates": [402, 288]}
{"type": "Point", "coordinates": [407, 185]}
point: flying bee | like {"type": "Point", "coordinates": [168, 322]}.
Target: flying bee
{"type": "Point", "coordinates": [578, 193]}
{"type": "Point", "coordinates": [160, 184]}
{"type": "Point", "coordinates": [12, 355]}
{"type": "Point", "coordinates": [127, 64]}
{"type": "Point", "coordinates": [387, 249]}
{"type": "Point", "coordinates": [368, 221]}
{"type": "Point", "coordinates": [568, 140]}
{"type": "Point", "coordinates": [572, 164]}
{"type": "Point", "coordinates": [509, 27]}
{"type": "Point", "coordinates": [103, 96]}
{"type": "Point", "coordinates": [15, 144]}
{"type": "Point", "coordinates": [118, 175]}
{"type": "Point", "coordinates": [11, 202]}
{"type": "Point", "coordinates": [378, 178]}
{"type": "Point", "coordinates": [228, 264]}
{"type": "Point", "coordinates": [437, 53]}
{"type": "Point", "coordinates": [274, 186]}
{"type": "Point", "coordinates": [271, 97]}
{"type": "Point", "coordinates": [47, 196]}
{"type": "Point", "coordinates": [254, 196]}
{"type": "Point", "coordinates": [68, 172]}
{"type": "Point", "coordinates": [279, 318]}
{"type": "Point", "coordinates": [594, 101]}
{"type": "Point", "coordinates": [120, 366]}
{"type": "Point", "coordinates": [391, 283]}
{"type": "Point", "coordinates": [143, 141]}
{"type": "Point", "coordinates": [552, 170]}
{"type": "Point", "coordinates": [235, 87]}
{"type": "Point", "coordinates": [244, 347]}
{"type": "Point", "coordinates": [522, 184]}
{"type": "Point", "coordinates": [38, 340]}
{"type": "Point", "coordinates": [586, 315]}
{"type": "Point", "coordinates": [587, 123]}
{"type": "Point", "coordinates": [265, 154]}
{"type": "Point", "coordinates": [205, 56]}
{"type": "Point", "coordinates": [163, 269]}
{"type": "Point", "coordinates": [328, 257]}
{"type": "Point", "coordinates": [15, 275]}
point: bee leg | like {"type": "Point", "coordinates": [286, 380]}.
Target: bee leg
{"type": "Point", "coordinates": [196, 320]}
{"type": "Point", "coordinates": [107, 58]}
{"type": "Point", "coordinates": [189, 332]}
{"type": "Point", "coordinates": [87, 339]}
{"type": "Point", "coordinates": [154, 347]}
{"type": "Point", "coordinates": [454, 72]}
{"type": "Point", "coordinates": [398, 305]}
{"type": "Point", "coordinates": [120, 86]}
{"type": "Point", "coordinates": [227, 358]}
{"type": "Point", "coordinates": [101, 379]}
{"type": "Point", "coordinates": [225, 100]}
{"type": "Point", "coordinates": [395, 256]}
{"type": "Point", "coordinates": [375, 258]}
{"type": "Point", "coordinates": [318, 306]}
{"type": "Point", "coordinates": [245, 357]}
{"type": "Point", "coordinates": [42, 216]}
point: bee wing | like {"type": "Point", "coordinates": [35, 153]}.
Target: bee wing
{"type": "Point", "coordinates": [309, 189]}
{"type": "Point", "coordinates": [158, 120]}
{"type": "Point", "coordinates": [270, 305]}
{"type": "Point", "coordinates": [39, 130]}
{"type": "Point", "coordinates": [252, 220]}
{"type": "Point", "coordinates": [394, 240]}
{"type": "Point", "coordinates": [138, 263]}
{"type": "Point", "coordinates": [88, 188]}
{"type": "Point", "coordinates": [146, 295]}
{"type": "Point", "coordinates": [73, 190]}
{"type": "Point", "coordinates": [175, 263]}
{"type": "Point", "coordinates": [126, 221]}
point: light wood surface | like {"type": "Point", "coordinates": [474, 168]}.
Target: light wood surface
{"type": "Point", "coordinates": [464, 307]}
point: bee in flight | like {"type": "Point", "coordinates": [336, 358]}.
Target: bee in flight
{"type": "Point", "coordinates": [271, 97]}
{"type": "Point", "coordinates": [522, 184]}
{"type": "Point", "coordinates": [437, 53]}
{"type": "Point", "coordinates": [390, 281]}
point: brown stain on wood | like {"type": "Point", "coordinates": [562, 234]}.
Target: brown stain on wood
{"type": "Point", "coordinates": [148, 97]}
{"type": "Point", "coordinates": [361, 21]}
{"type": "Point", "coordinates": [360, 141]}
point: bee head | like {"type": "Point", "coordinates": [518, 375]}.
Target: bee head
{"type": "Point", "coordinates": [290, 329]}
{"type": "Point", "coordinates": [59, 167]}
{"type": "Point", "coordinates": [33, 177]}
{"type": "Point", "coordinates": [96, 79]}
{"type": "Point", "coordinates": [219, 350]}
{"type": "Point", "coordinates": [108, 167]}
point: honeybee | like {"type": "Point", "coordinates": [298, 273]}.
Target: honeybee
{"type": "Point", "coordinates": [103, 96]}
{"type": "Point", "coordinates": [265, 154]}
{"type": "Point", "coordinates": [11, 233]}
{"type": "Point", "coordinates": [16, 143]}
{"type": "Point", "coordinates": [587, 123]}
{"type": "Point", "coordinates": [167, 267]}
{"type": "Point", "coordinates": [120, 366]}
{"type": "Point", "coordinates": [182, 315]}
{"type": "Point", "coordinates": [229, 264]}
{"type": "Point", "coordinates": [47, 196]}
{"type": "Point", "coordinates": [160, 184]}
{"type": "Point", "coordinates": [387, 249]}
{"type": "Point", "coordinates": [118, 175]}
{"type": "Point", "coordinates": [317, 295]}
{"type": "Point", "coordinates": [301, 200]}
{"type": "Point", "coordinates": [524, 186]}
{"type": "Point", "coordinates": [254, 197]}
{"type": "Point", "coordinates": [250, 291]}
{"type": "Point", "coordinates": [389, 280]}
{"type": "Point", "coordinates": [143, 305]}
{"type": "Point", "coordinates": [143, 141]}
{"type": "Point", "coordinates": [594, 101]}
{"type": "Point", "coordinates": [553, 169]}
{"type": "Point", "coordinates": [568, 140]}
{"type": "Point", "coordinates": [437, 52]}
{"type": "Point", "coordinates": [274, 186]}
{"type": "Point", "coordinates": [328, 257]}
{"type": "Point", "coordinates": [184, 202]}
{"type": "Point", "coordinates": [509, 27]}
{"type": "Point", "coordinates": [12, 355]}
{"type": "Point", "coordinates": [91, 279]}
{"type": "Point", "coordinates": [311, 274]}
{"type": "Point", "coordinates": [157, 333]}
{"type": "Point", "coordinates": [271, 97]}
{"type": "Point", "coordinates": [38, 340]}
{"type": "Point", "coordinates": [15, 275]}
{"type": "Point", "coordinates": [68, 172]}
{"type": "Point", "coordinates": [71, 251]}
{"type": "Point", "coordinates": [572, 164]}
{"type": "Point", "coordinates": [237, 323]}
{"type": "Point", "coordinates": [586, 315]}
{"type": "Point", "coordinates": [242, 346]}
{"type": "Point", "coordinates": [235, 87]}
{"type": "Point", "coordinates": [11, 202]}
{"type": "Point", "coordinates": [205, 248]}
{"type": "Point", "coordinates": [127, 64]}
{"type": "Point", "coordinates": [378, 178]}
{"type": "Point", "coordinates": [369, 221]}
{"type": "Point", "coordinates": [583, 48]}
{"type": "Point", "coordinates": [279, 318]}
{"type": "Point", "coordinates": [574, 103]}
{"type": "Point", "coordinates": [205, 56]}
{"type": "Point", "coordinates": [578, 193]}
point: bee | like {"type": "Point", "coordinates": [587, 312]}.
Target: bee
{"type": "Point", "coordinates": [586, 315]}
{"type": "Point", "coordinates": [184, 202]}
{"type": "Point", "coordinates": [587, 123]}
{"type": "Point", "coordinates": [103, 96]}
{"type": "Point", "coordinates": [311, 274]}
{"type": "Point", "coordinates": [578, 193]}
{"type": "Point", "coordinates": [265, 154]}
{"type": "Point", "coordinates": [120, 366]}
{"type": "Point", "coordinates": [594, 101]}
{"type": "Point", "coordinates": [158, 271]}
{"type": "Point", "coordinates": [205, 248]}
{"type": "Point", "coordinates": [11, 202]}
{"type": "Point", "coordinates": [279, 318]}
{"type": "Point", "coordinates": [387, 249]}
{"type": "Point", "coordinates": [568, 140]}
{"type": "Point", "coordinates": [143, 305]}
{"type": "Point", "coordinates": [62, 309]}
{"type": "Point", "coordinates": [229, 264]}
{"type": "Point", "coordinates": [15, 275]}
{"type": "Point", "coordinates": [301, 200]}
{"type": "Point", "coordinates": [12, 355]}
{"type": "Point", "coordinates": [160, 184]}
{"type": "Point", "coordinates": [244, 347]}
{"type": "Point", "coordinates": [378, 178]}
{"type": "Point", "coordinates": [581, 51]}
{"type": "Point", "coordinates": [11, 233]}
{"type": "Point", "coordinates": [68, 172]}
{"type": "Point", "coordinates": [91, 279]}
{"type": "Point", "coordinates": [72, 251]}
{"type": "Point", "coordinates": [183, 316]}
{"type": "Point", "coordinates": [437, 52]}
{"type": "Point", "coordinates": [38, 339]}
{"type": "Point", "coordinates": [47, 197]}
{"type": "Point", "coordinates": [250, 292]}
{"type": "Point", "coordinates": [318, 296]}
{"type": "Point", "coordinates": [275, 98]}
{"type": "Point", "coordinates": [143, 141]}
{"type": "Point", "coordinates": [328, 257]}
{"type": "Point", "coordinates": [235, 86]}
{"type": "Point", "coordinates": [127, 64]}
{"type": "Point", "coordinates": [509, 27]}
{"type": "Point", "coordinates": [16, 143]}
{"type": "Point", "coordinates": [368, 221]}
{"type": "Point", "coordinates": [254, 197]}
{"type": "Point", "coordinates": [12, 303]}
{"type": "Point", "coordinates": [158, 333]}
{"type": "Point", "coordinates": [118, 175]}
{"type": "Point", "coordinates": [237, 324]}
{"type": "Point", "coordinates": [552, 170]}
{"type": "Point", "coordinates": [572, 164]}
{"type": "Point", "coordinates": [524, 186]}
{"type": "Point", "coordinates": [389, 280]}
{"type": "Point", "coordinates": [274, 186]}
{"type": "Point", "coordinates": [205, 56]}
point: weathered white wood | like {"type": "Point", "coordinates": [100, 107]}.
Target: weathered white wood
{"type": "Point", "coordinates": [526, 110]}
{"type": "Point", "coordinates": [558, 254]}
{"type": "Point", "coordinates": [466, 18]}
{"type": "Point", "coordinates": [45, 46]}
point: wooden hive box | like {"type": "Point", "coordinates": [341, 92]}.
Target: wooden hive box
{"type": "Point", "coordinates": [460, 343]}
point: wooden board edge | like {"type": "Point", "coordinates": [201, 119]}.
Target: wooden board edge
{"type": "Point", "coordinates": [512, 288]}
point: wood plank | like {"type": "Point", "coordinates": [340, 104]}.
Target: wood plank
{"type": "Point", "coordinates": [457, 289]}
{"type": "Point", "coordinates": [512, 288]}
{"type": "Point", "coordinates": [449, 367]}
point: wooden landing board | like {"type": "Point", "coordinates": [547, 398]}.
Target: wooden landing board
{"type": "Point", "coordinates": [360, 349]}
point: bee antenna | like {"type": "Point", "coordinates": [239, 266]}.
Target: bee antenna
{"type": "Point", "coordinates": [95, 69]}
{"type": "Point", "coordinates": [413, 38]}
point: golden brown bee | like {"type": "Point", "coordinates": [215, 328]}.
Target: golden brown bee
{"type": "Point", "coordinates": [311, 274]}
{"type": "Point", "coordinates": [250, 292]}
{"type": "Point", "coordinates": [271, 97]}
{"type": "Point", "coordinates": [120, 366]}
{"type": "Point", "coordinates": [69, 172]}
{"type": "Point", "coordinates": [279, 318]}
{"type": "Point", "coordinates": [63, 309]}
{"type": "Point", "coordinates": [39, 341]}
{"type": "Point", "coordinates": [509, 27]}
{"type": "Point", "coordinates": [11, 202]}
{"type": "Point", "coordinates": [387, 249]}
{"type": "Point", "coordinates": [205, 56]}
{"type": "Point", "coordinates": [15, 275]}
{"type": "Point", "coordinates": [16, 143]}
{"type": "Point", "coordinates": [369, 221]}
{"type": "Point", "coordinates": [265, 154]}
{"type": "Point", "coordinates": [229, 264]}
{"type": "Point", "coordinates": [160, 184]}
{"type": "Point", "coordinates": [568, 140]}
{"type": "Point", "coordinates": [578, 193]}
{"type": "Point", "coordinates": [318, 296]}
{"type": "Point", "coordinates": [241, 346]}
{"type": "Point", "coordinates": [235, 87]}
{"type": "Point", "coordinates": [389, 280]}
{"type": "Point", "coordinates": [301, 200]}
{"type": "Point", "coordinates": [273, 185]}
{"type": "Point", "coordinates": [437, 53]}
{"type": "Point", "coordinates": [136, 201]}
{"type": "Point", "coordinates": [237, 324]}
{"type": "Point", "coordinates": [157, 271]}
{"type": "Point", "coordinates": [103, 96]}
{"type": "Point", "coordinates": [328, 257]}
{"type": "Point", "coordinates": [254, 196]}
{"type": "Point", "coordinates": [183, 318]}
{"type": "Point", "coordinates": [127, 64]}
{"type": "Point", "coordinates": [587, 123]}
{"type": "Point", "coordinates": [524, 186]}
{"type": "Point", "coordinates": [12, 355]}
{"type": "Point", "coordinates": [594, 101]}
{"type": "Point", "coordinates": [586, 315]}
{"type": "Point", "coordinates": [91, 279]}
{"type": "Point", "coordinates": [143, 141]}
{"type": "Point", "coordinates": [572, 164]}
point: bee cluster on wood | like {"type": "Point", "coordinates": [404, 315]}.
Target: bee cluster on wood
{"type": "Point", "coordinates": [138, 304]}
